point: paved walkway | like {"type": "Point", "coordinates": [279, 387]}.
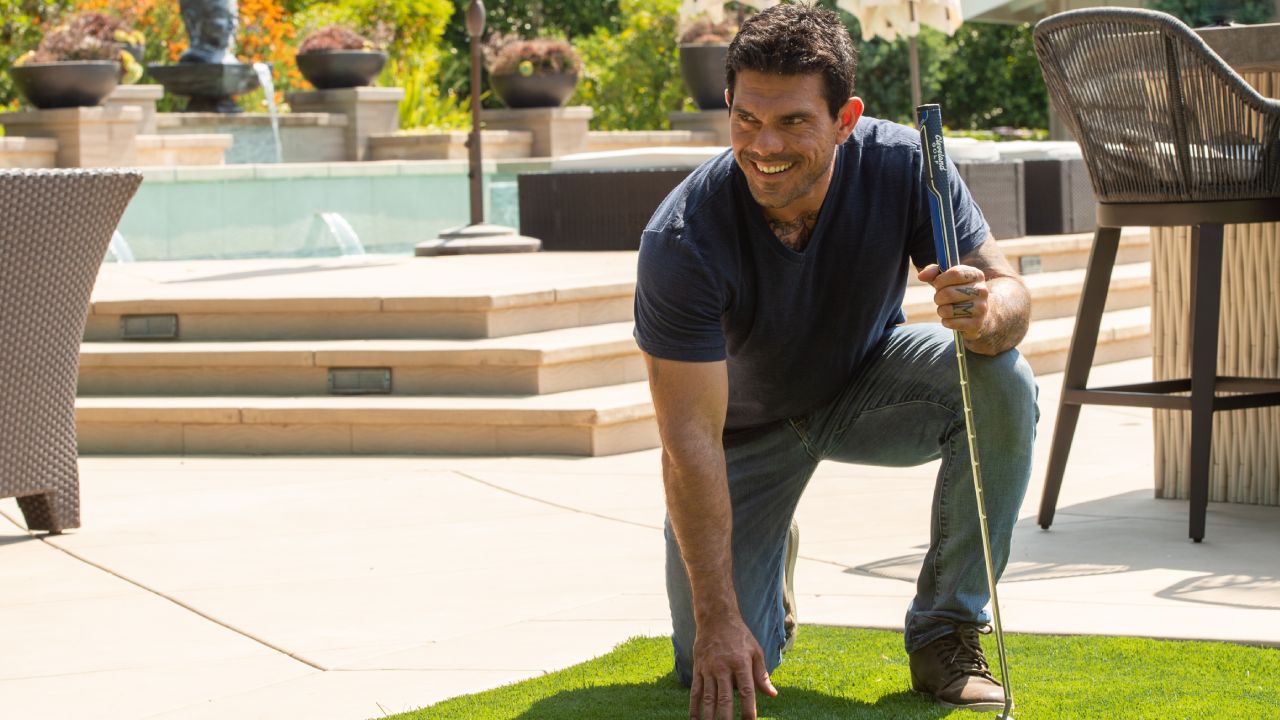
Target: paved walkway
{"type": "Point", "coordinates": [348, 588]}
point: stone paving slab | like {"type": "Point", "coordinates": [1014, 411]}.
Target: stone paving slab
{"type": "Point", "coordinates": [459, 282]}
{"type": "Point", "coordinates": [346, 588]}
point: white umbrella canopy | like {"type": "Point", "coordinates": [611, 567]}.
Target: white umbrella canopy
{"type": "Point", "coordinates": [714, 9]}
{"type": "Point", "coordinates": [891, 19]}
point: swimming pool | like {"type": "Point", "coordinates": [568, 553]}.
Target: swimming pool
{"type": "Point", "coordinates": [300, 209]}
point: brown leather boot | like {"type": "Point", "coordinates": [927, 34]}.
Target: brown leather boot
{"type": "Point", "coordinates": [953, 670]}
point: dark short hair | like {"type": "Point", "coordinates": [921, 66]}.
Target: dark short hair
{"type": "Point", "coordinates": [796, 39]}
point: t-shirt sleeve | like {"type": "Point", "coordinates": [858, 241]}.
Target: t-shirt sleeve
{"type": "Point", "coordinates": [678, 304]}
{"type": "Point", "coordinates": [971, 226]}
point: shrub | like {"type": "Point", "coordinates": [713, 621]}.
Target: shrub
{"type": "Point", "coordinates": [1198, 13]}
{"type": "Point", "coordinates": [411, 32]}
{"type": "Point", "coordinates": [335, 37]}
{"type": "Point", "coordinates": [524, 18]}
{"type": "Point", "coordinates": [631, 77]}
{"type": "Point", "coordinates": [1006, 90]}
{"type": "Point", "coordinates": [157, 21]}
{"type": "Point", "coordinates": [87, 36]}
{"type": "Point", "coordinates": [510, 55]}
{"type": "Point", "coordinates": [22, 23]}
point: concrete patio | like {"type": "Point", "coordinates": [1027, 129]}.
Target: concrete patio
{"type": "Point", "coordinates": [352, 587]}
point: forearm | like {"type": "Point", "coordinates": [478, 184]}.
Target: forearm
{"type": "Point", "coordinates": [1008, 316]}
{"type": "Point", "coordinates": [701, 516]}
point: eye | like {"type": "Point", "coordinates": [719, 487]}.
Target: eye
{"type": "Point", "coordinates": [794, 121]}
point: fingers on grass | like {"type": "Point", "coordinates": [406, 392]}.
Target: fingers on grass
{"type": "Point", "coordinates": [724, 697]}
{"type": "Point", "coordinates": [746, 693]}
{"type": "Point", "coordinates": [762, 676]}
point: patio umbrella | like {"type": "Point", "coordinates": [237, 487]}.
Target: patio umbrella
{"type": "Point", "coordinates": [714, 9]}
{"type": "Point", "coordinates": [892, 18]}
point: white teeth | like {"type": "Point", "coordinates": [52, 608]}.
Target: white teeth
{"type": "Point", "coordinates": [772, 169]}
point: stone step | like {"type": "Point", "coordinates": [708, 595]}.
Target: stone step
{"type": "Point", "coordinates": [1054, 294]}
{"type": "Point", "coordinates": [594, 421]}
{"type": "Point", "coordinates": [1053, 253]}
{"type": "Point", "coordinates": [1122, 335]}
{"type": "Point", "coordinates": [365, 297]}
{"type": "Point", "coordinates": [537, 363]}
{"type": "Point", "coordinates": [598, 421]}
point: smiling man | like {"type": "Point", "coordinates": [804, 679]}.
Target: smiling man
{"type": "Point", "coordinates": [768, 306]}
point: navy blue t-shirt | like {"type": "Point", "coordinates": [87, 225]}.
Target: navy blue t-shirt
{"type": "Point", "coordinates": [714, 282]}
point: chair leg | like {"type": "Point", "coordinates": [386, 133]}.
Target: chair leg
{"type": "Point", "coordinates": [41, 512]}
{"type": "Point", "coordinates": [1084, 340]}
{"type": "Point", "coordinates": [1206, 297]}
{"type": "Point", "coordinates": [53, 511]}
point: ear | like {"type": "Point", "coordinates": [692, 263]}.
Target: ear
{"type": "Point", "coordinates": [728, 99]}
{"type": "Point", "coordinates": [847, 118]}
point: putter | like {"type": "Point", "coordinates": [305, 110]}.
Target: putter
{"type": "Point", "coordinates": [944, 241]}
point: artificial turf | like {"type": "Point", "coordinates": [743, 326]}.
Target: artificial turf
{"type": "Point", "coordinates": [851, 673]}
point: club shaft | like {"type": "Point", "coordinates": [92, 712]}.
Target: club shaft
{"type": "Point", "coordinates": [948, 251]}
{"type": "Point", "coordinates": [975, 464]}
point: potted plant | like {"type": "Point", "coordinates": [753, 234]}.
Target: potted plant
{"type": "Point", "coordinates": [78, 63]}
{"type": "Point", "coordinates": [541, 72]}
{"type": "Point", "coordinates": [335, 56]}
{"type": "Point", "coordinates": [705, 33]}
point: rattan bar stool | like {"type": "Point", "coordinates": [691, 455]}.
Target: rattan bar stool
{"type": "Point", "coordinates": [1171, 136]}
{"type": "Point", "coordinates": [55, 226]}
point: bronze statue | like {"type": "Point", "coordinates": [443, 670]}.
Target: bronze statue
{"type": "Point", "coordinates": [208, 72]}
{"type": "Point", "coordinates": [211, 26]}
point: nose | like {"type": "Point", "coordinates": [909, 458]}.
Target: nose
{"type": "Point", "coordinates": [767, 142]}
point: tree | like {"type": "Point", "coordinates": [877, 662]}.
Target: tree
{"type": "Point", "coordinates": [1198, 13]}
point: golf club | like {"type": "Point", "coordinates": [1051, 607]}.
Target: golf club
{"type": "Point", "coordinates": [929, 118]}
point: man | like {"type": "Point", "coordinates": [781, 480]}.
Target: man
{"type": "Point", "coordinates": [768, 307]}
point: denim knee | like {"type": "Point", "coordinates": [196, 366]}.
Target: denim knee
{"type": "Point", "coordinates": [1004, 386]}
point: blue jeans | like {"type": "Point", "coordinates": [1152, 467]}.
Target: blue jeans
{"type": "Point", "coordinates": [903, 408]}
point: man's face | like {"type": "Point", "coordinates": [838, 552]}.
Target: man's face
{"type": "Point", "coordinates": [784, 138]}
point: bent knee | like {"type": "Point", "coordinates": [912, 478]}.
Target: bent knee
{"type": "Point", "coordinates": [1007, 380]}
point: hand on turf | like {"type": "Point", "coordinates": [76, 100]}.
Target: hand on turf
{"type": "Point", "coordinates": [961, 296]}
{"type": "Point", "coordinates": [727, 663]}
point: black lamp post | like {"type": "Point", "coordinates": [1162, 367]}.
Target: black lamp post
{"type": "Point", "coordinates": [475, 28]}
{"type": "Point", "coordinates": [478, 236]}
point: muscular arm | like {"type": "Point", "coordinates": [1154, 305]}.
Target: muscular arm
{"type": "Point", "coordinates": [691, 400]}
{"type": "Point", "coordinates": [984, 298]}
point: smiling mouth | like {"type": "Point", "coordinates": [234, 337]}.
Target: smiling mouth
{"type": "Point", "coordinates": [772, 168]}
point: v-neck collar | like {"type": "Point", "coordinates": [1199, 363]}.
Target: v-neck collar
{"type": "Point", "coordinates": [758, 222]}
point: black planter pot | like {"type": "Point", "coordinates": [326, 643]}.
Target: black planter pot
{"type": "Point", "coordinates": [534, 91]}
{"type": "Point", "coordinates": [333, 69]}
{"type": "Point", "coordinates": [703, 69]}
{"type": "Point", "coordinates": [82, 83]}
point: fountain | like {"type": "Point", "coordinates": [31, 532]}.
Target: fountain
{"type": "Point", "coordinates": [119, 249]}
{"type": "Point", "coordinates": [208, 72]}
{"type": "Point", "coordinates": [348, 241]}
{"type": "Point", "coordinates": [263, 71]}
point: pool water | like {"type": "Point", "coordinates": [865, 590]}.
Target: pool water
{"type": "Point", "coordinates": [308, 209]}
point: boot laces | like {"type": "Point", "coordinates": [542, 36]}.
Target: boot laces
{"type": "Point", "coordinates": [961, 652]}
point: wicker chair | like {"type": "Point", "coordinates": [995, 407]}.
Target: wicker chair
{"type": "Point", "coordinates": [1172, 137]}
{"type": "Point", "coordinates": [55, 226]}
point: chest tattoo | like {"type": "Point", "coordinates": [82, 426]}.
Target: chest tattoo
{"type": "Point", "coordinates": [795, 233]}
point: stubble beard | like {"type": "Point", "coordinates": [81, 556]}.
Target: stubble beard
{"type": "Point", "coordinates": [801, 188]}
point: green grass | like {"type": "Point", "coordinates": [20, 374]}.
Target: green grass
{"type": "Point", "coordinates": [849, 673]}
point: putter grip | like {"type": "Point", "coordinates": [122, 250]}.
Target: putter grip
{"type": "Point", "coordinates": [938, 185]}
